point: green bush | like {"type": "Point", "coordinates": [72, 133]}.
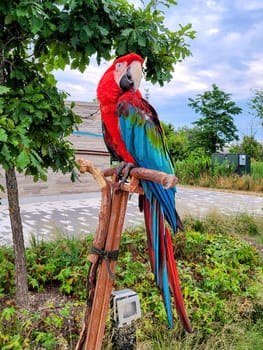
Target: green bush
{"type": "Point", "coordinates": [62, 263]}
{"type": "Point", "coordinates": [221, 279]}
{"type": "Point", "coordinates": [215, 269]}
{"type": "Point", "coordinates": [192, 168]}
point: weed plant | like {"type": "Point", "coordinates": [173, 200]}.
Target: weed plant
{"type": "Point", "coordinates": [257, 170]}
{"type": "Point", "coordinates": [221, 279]}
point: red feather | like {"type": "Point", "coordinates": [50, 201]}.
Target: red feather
{"type": "Point", "coordinates": [166, 250]}
{"type": "Point", "coordinates": [108, 93]}
{"type": "Point", "coordinates": [174, 284]}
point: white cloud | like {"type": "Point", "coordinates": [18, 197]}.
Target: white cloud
{"type": "Point", "coordinates": [185, 82]}
{"type": "Point", "coordinates": [255, 73]}
{"type": "Point", "coordinates": [231, 40]}
{"type": "Point", "coordinates": [249, 5]}
{"type": "Point", "coordinates": [80, 86]}
{"type": "Point", "coordinates": [212, 31]}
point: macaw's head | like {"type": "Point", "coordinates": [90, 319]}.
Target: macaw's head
{"type": "Point", "coordinates": [124, 74]}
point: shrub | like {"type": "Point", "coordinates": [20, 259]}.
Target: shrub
{"type": "Point", "coordinates": [221, 279]}
{"type": "Point", "coordinates": [62, 263]}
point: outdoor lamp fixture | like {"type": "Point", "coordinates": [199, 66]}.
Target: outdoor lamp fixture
{"type": "Point", "coordinates": [126, 307]}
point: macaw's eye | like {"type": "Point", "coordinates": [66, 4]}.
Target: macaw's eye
{"type": "Point", "coordinates": [119, 66]}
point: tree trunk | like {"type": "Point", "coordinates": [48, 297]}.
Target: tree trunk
{"type": "Point", "coordinates": [18, 239]}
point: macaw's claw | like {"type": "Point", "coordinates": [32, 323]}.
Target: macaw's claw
{"type": "Point", "coordinates": [127, 168]}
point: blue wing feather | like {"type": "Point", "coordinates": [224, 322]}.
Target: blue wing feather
{"type": "Point", "coordinates": [145, 143]}
{"type": "Point", "coordinates": [143, 137]}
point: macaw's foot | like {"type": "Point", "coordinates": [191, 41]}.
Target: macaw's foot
{"type": "Point", "coordinates": [127, 168]}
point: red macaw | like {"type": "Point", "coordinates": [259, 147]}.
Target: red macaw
{"type": "Point", "coordinates": [133, 134]}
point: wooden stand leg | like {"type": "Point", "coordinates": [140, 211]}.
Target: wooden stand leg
{"type": "Point", "coordinates": [104, 282]}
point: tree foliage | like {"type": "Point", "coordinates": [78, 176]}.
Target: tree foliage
{"type": "Point", "coordinates": [75, 30]}
{"type": "Point", "coordinates": [249, 146]}
{"type": "Point", "coordinates": [39, 36]}
{"type": "Point", "coordinates": [34, 119]}
{"type": "Point", "coordinates": [180, 142]}
{"type": "Point", "coordinates": [34, 122]}
{"type": "Point", "coordinates": [256, 103]}
{"type": "Point", "coordinates": [216, 127]}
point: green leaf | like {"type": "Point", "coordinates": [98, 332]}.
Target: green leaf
{"type": "Point", "coordinates": [18, 74]}
{"type": "Point", "coordinates": [85, 33]}
{"type": "Point", "coordinates": [2, 105]}
{"type": "Point", "coordinates": [9, 19]}
{"type": "Point", "coordinates": [37, 97]}
{"type": "Point", "coordinates": [103, 31]}
{"type": "Point", "coordinates": [22, 160]}
{"type": "Point", "coordinates": [8, 313]}
{"type": "Point", "coordinates": [4, 89]}
{"type": "Point", "coordinates": [51, 79]}
{"type": "Point", "coordinates": [3, 135]}
{"type": "Point", "coordinates": [13, 140]}
{"type": "Point", "coordinates": [126, 32]}
{"type": "Point", "coordinates": [5, 152]}
{"type": "Point", "coordinates": [36, 23]}
{"type": "Point", "coordinates": [142, 40]}
{"type": "Point", "coordinates": [22, 11]}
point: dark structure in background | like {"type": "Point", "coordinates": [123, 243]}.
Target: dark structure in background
{"type": "Point", "coordinates": [238, 163]}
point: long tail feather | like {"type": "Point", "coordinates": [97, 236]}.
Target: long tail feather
{"type": "Point", "coordinates": [174, 283]}
{"type": "Point", "coordinates": [162, 261]}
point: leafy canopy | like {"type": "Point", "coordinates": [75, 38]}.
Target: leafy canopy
{"type": "Point", "coordinates": [180, 141]}
{"type": "Point", "coordinates": [249, 146]}
{"type": "Point", "coordinates": [37, 37]}
{"type": "Point", "coordinates": [216, 127]}
{"type": "Point", "coordinates": [256, 103]}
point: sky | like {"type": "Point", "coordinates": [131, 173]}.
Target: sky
{"type": "Point", "coordinates": [227, 51]}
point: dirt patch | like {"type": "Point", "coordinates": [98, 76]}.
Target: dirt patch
{"type": "Point", "coordinates": [48, 299]}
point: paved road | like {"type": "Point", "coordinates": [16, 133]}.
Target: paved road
{"type": "Point", "coordinates": [77, 214]}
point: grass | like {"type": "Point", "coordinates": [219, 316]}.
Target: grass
{"type": "Point", "coordinates": [240, 336]}
{"type": "Point", "coordinates": [221, 278]}
{"type": "Point", "coordinates": [198, 172]}
{"type": "Point", "coordinates": [257, 170]}
{"type": "Point", "coordinates": [239, 225]}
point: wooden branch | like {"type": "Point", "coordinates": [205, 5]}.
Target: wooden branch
{"type": "Point", "coordinates": [104, 214]}
{"type": "Point", "coordinates": [164, 179]}
{"type": "Point", "coordinates": [85, 166]}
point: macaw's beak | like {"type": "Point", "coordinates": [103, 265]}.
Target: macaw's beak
{"type": "Point", "coordinates": [132, 78]}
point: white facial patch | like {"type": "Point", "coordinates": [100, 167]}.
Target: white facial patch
{"type": "Point", "coordinates": [120, 70]}
{"type": "Point", "coordinates": [135, 71]}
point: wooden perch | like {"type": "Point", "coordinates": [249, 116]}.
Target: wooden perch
{"type": "Point", "coordinates": [114, 198]}
{"type": "Point", "coordinates": [104, 214]}
{"type": "Point", "coordinates": [166, 180]}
